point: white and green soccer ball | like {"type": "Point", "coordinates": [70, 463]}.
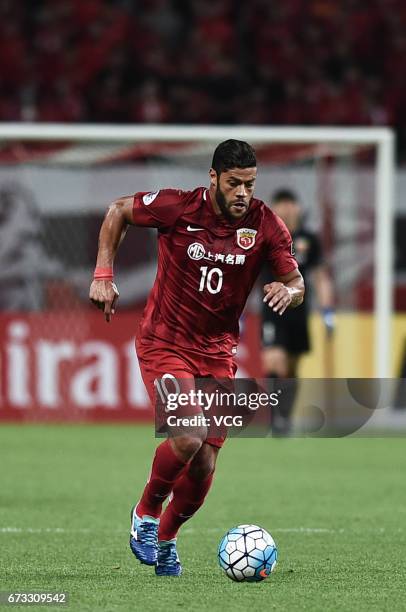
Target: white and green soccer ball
{"type": "Point", "coordinates": [247, 553]}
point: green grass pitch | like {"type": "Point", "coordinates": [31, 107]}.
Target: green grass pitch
{"type": "Point", "coordinates": [336, 508]}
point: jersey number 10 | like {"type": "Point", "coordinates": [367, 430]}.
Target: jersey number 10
{"type": "Point", "coordinates": [212, 280]}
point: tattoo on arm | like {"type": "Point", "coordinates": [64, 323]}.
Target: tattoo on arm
{"type": "Point", "coordinates": [296, 300]}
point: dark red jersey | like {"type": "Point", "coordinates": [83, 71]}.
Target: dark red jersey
{"type": "Point", "coordinates": [207, 267]}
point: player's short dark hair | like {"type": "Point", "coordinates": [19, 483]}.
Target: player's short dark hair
{"type": "Point", "coordinates": [233, 154]}
{"type": "Point", "coordinates": [282, 195]}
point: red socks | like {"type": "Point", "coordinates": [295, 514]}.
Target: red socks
{"type": "Point", "coordinates": [166, 468]}
{"type": "Point", "coordinates": [188, 496]}
{"type": "Point", "coordinates": [188, 493]}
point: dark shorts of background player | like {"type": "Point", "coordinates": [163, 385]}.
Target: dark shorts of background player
{"type": "Point", "coordinates": [159, 358]}
{"type": "Point", "coordinates": [289, 331]}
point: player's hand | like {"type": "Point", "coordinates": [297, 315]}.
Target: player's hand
{"type": "Point", "coordinates": [278, 296]}
{"type": "Point", "coordinates": [104, 294]}
{"type": "Point", "coordinates": [329, 320]}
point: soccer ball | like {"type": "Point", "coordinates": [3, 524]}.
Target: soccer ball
{"type": "Point", "coordinates": [247, 553]}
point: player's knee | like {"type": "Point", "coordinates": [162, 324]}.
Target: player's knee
{"type": "Point", "coordinates": [188, 446]}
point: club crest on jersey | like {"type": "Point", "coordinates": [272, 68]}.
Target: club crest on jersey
{"type": "Point", "coordinates": [148, 198]}
{"type": "Point", "coordinates": [246, 237]}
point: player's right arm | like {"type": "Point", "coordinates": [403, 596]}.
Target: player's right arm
{"type": "Point", "coordinates": [103, 292]}
{"type": "Point", "coordinates": [158, 209]}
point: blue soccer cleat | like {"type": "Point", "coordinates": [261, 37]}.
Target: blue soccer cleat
{"type": "Point", "coordinates": [144, 538]}
{"type": "Point", "coordinates": [168, 563]}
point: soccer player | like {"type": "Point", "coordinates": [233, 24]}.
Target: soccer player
{"type": "Point", "coordinates": [286, 339]}
{"type": "Point", "coordinates": [211, 246]}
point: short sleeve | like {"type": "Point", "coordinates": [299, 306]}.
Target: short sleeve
{"type": "Point", "coordinates": [158, 208]}
{"type": "Point", "coordinates": [280, 254]}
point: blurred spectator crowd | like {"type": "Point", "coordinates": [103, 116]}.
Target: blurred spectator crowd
{"type": "Point", "coordinates": [337, 62]}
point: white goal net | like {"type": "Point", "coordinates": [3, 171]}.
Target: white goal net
{"type": "Point", "coordinates": [55, 184]}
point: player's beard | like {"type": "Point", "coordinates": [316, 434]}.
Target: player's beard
{"type": "Point", "coordinates": [222, 204]}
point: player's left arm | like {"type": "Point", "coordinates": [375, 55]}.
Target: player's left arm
{"type": "Point", "coordinates": [286, 291]}
{"type": "Point", "coordinates": [288, 288]}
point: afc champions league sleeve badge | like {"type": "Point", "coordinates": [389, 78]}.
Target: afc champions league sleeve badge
{"type": "Point", "coordinates": [246, 237]}
{"type": "Point", "coordinates": [148, 198]}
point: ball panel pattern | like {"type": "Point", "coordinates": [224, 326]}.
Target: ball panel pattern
{"type": "Point", "coordinates": [247, 553]}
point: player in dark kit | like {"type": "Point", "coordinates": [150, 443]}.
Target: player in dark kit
{"type": "Point", "coordinates": [211, 246]}
{"type": "Point", "coordinates": [286, 339]}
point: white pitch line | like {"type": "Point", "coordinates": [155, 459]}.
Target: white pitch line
{"type": "Point", "coordinates": [190, 530]}
{"type": "Point", "coordinates": [43, 530]}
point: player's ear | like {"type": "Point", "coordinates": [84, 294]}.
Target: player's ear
{"type": "Point", "coordinates": [213, 177]}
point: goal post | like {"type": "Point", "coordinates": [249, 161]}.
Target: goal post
{"type": "Point", "coordinates": [382, 139]}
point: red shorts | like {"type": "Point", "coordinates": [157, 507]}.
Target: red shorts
{"type": "Point", "coordinates": [161, 362]}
